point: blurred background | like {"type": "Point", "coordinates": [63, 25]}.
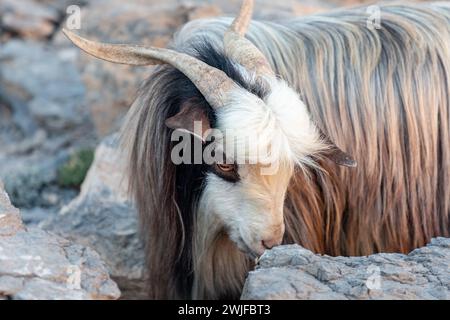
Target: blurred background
{"type": "Point", "coordinates": [60, 107]}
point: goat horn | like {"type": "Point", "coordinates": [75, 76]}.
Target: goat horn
{"type": "Point", "coordinates": [241, 49]}
{"type": "Point", "coordinates": [213, 83]}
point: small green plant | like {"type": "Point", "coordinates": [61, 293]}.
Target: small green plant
{"type": "Point", "coordinates": [72, 173]}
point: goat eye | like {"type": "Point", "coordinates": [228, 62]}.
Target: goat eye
{"type": "Point", "coordinates": [225, 167]}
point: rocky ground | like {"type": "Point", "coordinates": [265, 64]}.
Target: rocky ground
{"type": "Point", "coordinates": [102, 217]}
{"type": "Point", "coordinates": [35, 264]}
{"type": "Point", "coordinates": [291, 272]}
{"type": "Point", "coordinates": [58, 109]}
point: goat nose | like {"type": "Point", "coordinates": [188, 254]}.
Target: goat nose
{"type": "Point", "coordinates": [270, 243]}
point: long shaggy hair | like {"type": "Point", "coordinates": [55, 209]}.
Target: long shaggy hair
{"type": "Point", "coordinates": [383, 95]}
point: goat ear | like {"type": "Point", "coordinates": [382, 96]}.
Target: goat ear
{"type": "Point", "coordinates": [191, 118]}
{"type": "Point", "coordinates": [335, 154]}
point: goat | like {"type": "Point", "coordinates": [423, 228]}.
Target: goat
{"type": "Point", "coordinates": [307, 89]}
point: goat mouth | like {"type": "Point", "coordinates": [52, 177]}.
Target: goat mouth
{"type": "Point", "coordinates": [245, 248]}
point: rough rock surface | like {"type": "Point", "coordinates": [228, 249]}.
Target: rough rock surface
{"type": "Point", "coordinates": [28, 18]}
{"type": "Point", "coordinates": [10, 222]}
{"type": "Point", "coordinates": [42, 117]}
{"type": "Point", "coordinates": [103, 218]}
{"type": "Point", "coordinates": [113, 87]}
{"type": "Point", "coordinates": [35, 264]}
{"type": "Point", "coordinates": [48, 93]}
{"type": "Point", "coordinates": [291, 272]}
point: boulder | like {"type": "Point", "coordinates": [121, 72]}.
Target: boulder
{"type": "Point", "coordinates": [28, 18]}
{"type": "Point", "coordinates": [42, 117]}
{"type": "Point", "coordinates": [292, 272]}
{"type": "Point", "coordinates": [62, 5]}
{"type": "Point", "coordinates": [29, 178]}
{"type": "Point", "coordinates": [41, 86]}
{"type": "Point", "coordinates": [10, 222]}
{"type": "Point", "coordinates": [35, 264]}
{"type": "Point", "coordinates": [102, 217]}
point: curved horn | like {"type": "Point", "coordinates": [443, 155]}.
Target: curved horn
{"type": "Point", "coordinates": [213, 83]}
{"type": "Point", "coordinates": [241, 49]}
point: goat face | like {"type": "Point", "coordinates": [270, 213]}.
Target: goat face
{"type": "Point", "coordinates": [262, 142]}
{"type": "Point", "coordinates": [250, 208]}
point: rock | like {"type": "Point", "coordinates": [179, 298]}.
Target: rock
{"type": "Point", "coordinates": [28, 18]}
{"type": "Point", "coordinates": [35, 264]}
{"type": "Point", "coordinates": [202, 11]}
{"type": "Point", "coordinates": [29, 169]}
{"type": "Point", "coordinates": [34, 216]}
{"type": "Point", "coordinates": [62, 5]}
{"type": "Point", "coordinates": [9, 130]}
{"type": "Point", "coordinates": [291, 272]}
{"type": "Point", "coordinates": [103, 218]}
{"type": "Point", "coordinates": [26, 176]}
{"type": "Point", "coordinates": [45, 117]}
{"type": "Point", "coordinates": [48, 93]}
{"type": "Point", "coordinates": [10, 222]}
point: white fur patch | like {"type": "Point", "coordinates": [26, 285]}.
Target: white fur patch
{"type": "Point", "coordinates": [278, 129]}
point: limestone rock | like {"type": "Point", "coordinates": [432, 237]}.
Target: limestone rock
{"type": "Point", "coordinates": [47, 93]}
{"type": "Point", "coordinates": [42, 116]}
{"type": "Point", "coordinates": [10, 222]}
{"type": "Point", "coordinates": [291, 272]}
{"type": "Point", "coordinates": [35, 264]}
{"type": "Point", "coordinates": [28, 18]}
{"type": "Point", "coordinates": [103, 218]}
